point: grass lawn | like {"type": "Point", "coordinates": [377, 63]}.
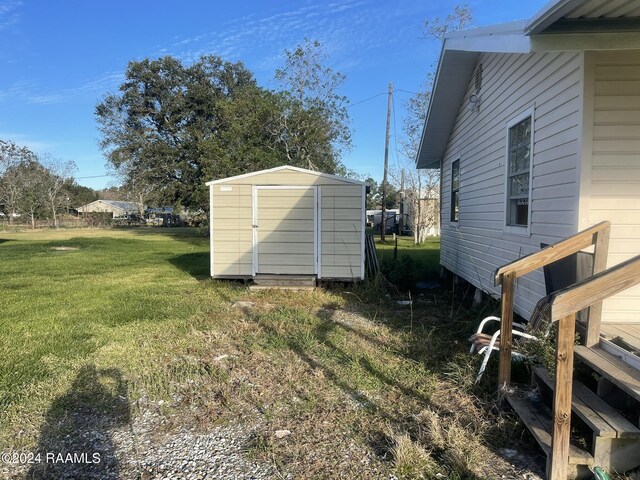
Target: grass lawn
{"type": "Point", "coordinates": [413, 263]}
{"type": "Point", "coordinates": [367, 389]}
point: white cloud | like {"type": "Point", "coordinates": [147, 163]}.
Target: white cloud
{"type": "Point", "coordinates": [30, 91]}
{"type": "Point", "coordinates": [9, 13]}
{"type": "Point", "coordinates": [348, 28]}
{"type": "Point", "coordinates": [26, 141]}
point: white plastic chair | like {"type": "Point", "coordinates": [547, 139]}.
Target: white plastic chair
{"type": "Point", "coordinates": [484, 343]}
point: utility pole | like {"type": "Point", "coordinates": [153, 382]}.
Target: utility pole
{"type": "Point", "coordinates": [402, 200]}
{"type": "Point", "coordinates": [383, 223]}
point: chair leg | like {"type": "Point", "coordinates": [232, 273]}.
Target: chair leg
{"type": "Point", "coordinates": [485, 360]}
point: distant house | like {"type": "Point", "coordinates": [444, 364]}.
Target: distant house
{"type": "Point", "coordinates": [421, 215]}
{"type": "Point", "coordinates": [162, 216]}
{"type": "Point", "coordinates": [117, 208]}
{"type": "Point", "coordinates": [535, 125]}
{"type": "Point", "coordinates": [374, 217]}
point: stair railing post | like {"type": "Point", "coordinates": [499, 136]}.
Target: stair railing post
{"type": "Point", "coordinates": [506, 327]}
{"type": "Point", "coordinates": [559, 460]}
{"type": "Point", "coordinates": [600, 255]}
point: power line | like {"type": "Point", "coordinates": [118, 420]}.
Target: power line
{"type": "Point", "coordinates": [406, 91]}
{"type": "Point", "coordinates": [366, 99]}
{"type": "Point", "coordinates": [379, 95]}
{"type": "Point", "coordinates": [92, 176]}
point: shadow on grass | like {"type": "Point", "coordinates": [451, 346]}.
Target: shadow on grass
{"type": "Point", "coordinates": [195, 264]}
{"type": "Point", "coordinates": [191, 235]}
{"type": "Point", "coordinates": [317, 348]}
{"type": "Point", "coordinates": [76, 437]}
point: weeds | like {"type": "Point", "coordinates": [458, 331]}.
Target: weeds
{"type": "Point", "coordinates": [411, 460]}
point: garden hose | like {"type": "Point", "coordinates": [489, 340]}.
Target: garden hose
{"type": "Point", "coordinates": [600, 474]}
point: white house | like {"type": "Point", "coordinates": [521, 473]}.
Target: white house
{"type": "Point", "coordinates": [115, 207]}
{"type": "Point", "coordinates": [535, 125]}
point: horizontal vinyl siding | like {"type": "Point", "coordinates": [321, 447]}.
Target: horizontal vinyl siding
{"type": "Point", "coordinates": [341, 223]}
{"type": "Point", "coordinates": [232, 230]}
{"type": "Point", "coordinates": [478, 244]}
{"type": "Point", "coordinates": [615, 167]}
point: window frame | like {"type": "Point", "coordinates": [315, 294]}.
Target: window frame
{"type": "Point", "coordinates": [453, 220]}
{"type": "Point", "coordinates": [508, 228]}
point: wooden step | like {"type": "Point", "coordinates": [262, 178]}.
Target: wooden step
{"type": "Point", "coordinates": [296, 282]}
{"type": "Point", "coordinates": [603, 419]}
{"type": "Point", "coordinates": [609, 366]}
{"type": "Point", "coordinates": [538, 420]}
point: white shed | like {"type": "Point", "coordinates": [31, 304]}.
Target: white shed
{"type": "Point", "coordinates": [287, 221]}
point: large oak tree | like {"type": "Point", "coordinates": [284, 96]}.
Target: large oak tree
{"type": "Point", "coordinates": [171, 127]}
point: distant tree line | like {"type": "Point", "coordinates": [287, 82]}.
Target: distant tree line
{"type": "Point", "coordinates": [34, 187]}
{"type": "Point", "coordinates": [171, 127]}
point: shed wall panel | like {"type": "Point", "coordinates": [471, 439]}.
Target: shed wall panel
{"type": "Point", "coordinates": [479, 242]}
{"type": "Point", "coordinates": [232, 230]}
{"type": "Point", "coordinates": [342, 223]}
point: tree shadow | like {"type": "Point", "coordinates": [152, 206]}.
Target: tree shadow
{"type": "Point", "coordinates": [190, 235]}
{"type": "Point", "coordinates": [195, 264]}
{"type": "Point", "coordinates": [76, 437]}
{"type": "Point", "coordinates": [381, 444]}
{"type": "Point", "coordinates": [4, 240]}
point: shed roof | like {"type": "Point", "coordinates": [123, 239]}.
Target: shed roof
{"type": "Point", "coordinates": [460, 51]}
{"type": "Point", "coordinates": [285, 167]}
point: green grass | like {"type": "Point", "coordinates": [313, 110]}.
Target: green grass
{"type": "Point", "coordinates": [132, 314]}
{"type": "Point", "coordinates": [72, 297]}
{"type": "Point", "coordinates": [413, 263]}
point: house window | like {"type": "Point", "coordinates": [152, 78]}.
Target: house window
{"type": "Point", "coordinates": [519, 172]}
{"type": "Point", "coordinates": [455, 190]}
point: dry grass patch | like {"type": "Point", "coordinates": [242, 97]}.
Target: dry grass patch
{"type": "Point", "coordinates": [411, 460]}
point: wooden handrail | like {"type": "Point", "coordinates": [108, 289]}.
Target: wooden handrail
{"type": "Point", "coordinates": [595, 289]}
{"type": "Point", "coordinates": [564, 306]}
{"type": "Point", "coordinates": [507, 275]}
{"type": "Point", "coordinates": [552, 253]}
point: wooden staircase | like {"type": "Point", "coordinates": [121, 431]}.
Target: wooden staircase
{"type": "Point", "coordinates": [608, 439]}
{"type": "Point", "coordinates": [561, 411]}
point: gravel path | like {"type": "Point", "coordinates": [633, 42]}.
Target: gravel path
{"type": "Point", "coordinates": [191, 456]}
{"type": "Point", "coordinates": [143, 450]}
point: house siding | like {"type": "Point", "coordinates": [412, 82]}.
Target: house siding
{"type": "Point", "coordinates": [477, 244]}
{"type": "Point", "coordinates": [612, 183]}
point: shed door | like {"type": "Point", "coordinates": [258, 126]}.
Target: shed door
{"type": "Point", "coordinates": [285, 230]}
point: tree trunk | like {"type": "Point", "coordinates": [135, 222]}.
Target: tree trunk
{"type": "Point", "coordinates": [55, 217]}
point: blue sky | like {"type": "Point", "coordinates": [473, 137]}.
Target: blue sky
{"type": "Point", "coordinates": [59, 58]}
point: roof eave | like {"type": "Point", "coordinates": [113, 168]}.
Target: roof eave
{"type": "Point", "coordinates": [552, 11]}
{"type": "Point", "coordinates": [458, 57]}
